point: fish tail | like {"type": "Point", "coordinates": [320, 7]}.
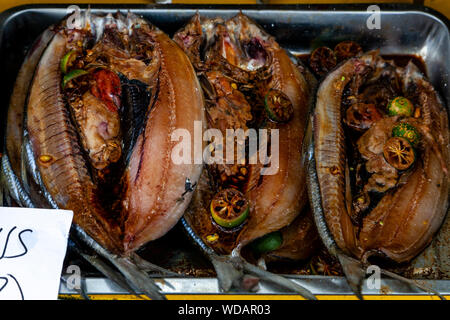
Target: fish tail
{"type": "Point", "coordinates": [104, 268]}
{"type": "Point", "coordinates": [109, 272]}
{"type": "Point", "coordinates": [411, 282]}
{"type": "Point", "coordinates": [354, 273]}
{"type": "Point", "coordinates": [278, 280]}
{"type": "Point", "coordinates": [229, 273]}
{"type": "Point", "coordinates": [82, 291]}
{"type": "Point", "coordinates": [137, 278]}
{"type": "Point", "coordinates": [233, 273]}
{"type": "Point", "coordinates": [130, 277]}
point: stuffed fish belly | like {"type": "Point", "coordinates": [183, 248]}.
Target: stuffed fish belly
{"type": "Point", "coordinates": [253, 87]}
{"type": "Point", "coordinates": [250, 83]}
{"type": "Point", "coordinates": [101, 107]}
{"type": "Point", "coordinates": [381, 149]}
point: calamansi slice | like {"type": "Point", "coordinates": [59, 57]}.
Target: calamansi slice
{"type": "Point", "coordinates": [278, 106]}
{"type": "Point", "coordinates": [229, 208]}
{"type": "Point", "coordinates": [399, 153]}
{"type": "Point", "coordinates": [72, 75]}
{"type": "Point", "coordinates": [67, 61]}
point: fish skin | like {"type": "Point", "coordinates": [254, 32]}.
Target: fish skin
{"type": "Point", "coordinates": [276, 207]}
{"type": "Point", "coordinates": [153, 195]}
{"type": "Point", "coordinates": [14, 122]}
{"type": "Point", "coordinates": [52, 133]}
{"type": "Point", "coordinates": [328, 133]}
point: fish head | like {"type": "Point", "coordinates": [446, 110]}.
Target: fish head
{"type": "Point", "coordinates": [246, 45]}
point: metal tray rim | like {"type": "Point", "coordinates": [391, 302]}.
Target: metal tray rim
{"type": "Point", "coordinates": [341, 8]}
{"type": "Point", "coordinates": [357, 7]}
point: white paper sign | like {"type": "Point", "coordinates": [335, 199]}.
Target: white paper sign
{"type": "Point", "coordinates": [33, 245]}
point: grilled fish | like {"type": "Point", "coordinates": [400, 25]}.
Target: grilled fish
{"type": "Point", "coordinates": [250, 83]}
{"type": "Point", "coordinates": [100, 109]}
{"type": "Point", "coordinates": [378, 163]}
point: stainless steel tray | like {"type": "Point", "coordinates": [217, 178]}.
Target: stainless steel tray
{"type": "Point", "coordinates": [405, 29]}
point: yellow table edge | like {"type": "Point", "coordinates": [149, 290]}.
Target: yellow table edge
{"type": "Point", "coordinates": [440, 5]}
{"type": "Point", "coordinates": [267, 297]}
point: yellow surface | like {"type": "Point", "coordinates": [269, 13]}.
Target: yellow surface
{"type": "Point", "coordinates": [6, 4]}
{"type": "Point", "coordinates": [442, 6]}
{"type": "Point", "coordinates": [215, 1]}
{"type": "Point", "coordinates": [253, 297]}
{"type": "Point", "coordinates": [337, 1]}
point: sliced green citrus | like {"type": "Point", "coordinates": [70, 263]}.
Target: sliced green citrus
{"type": "Point", "coordinates": [67, 60]}
{"type": "Point", "coordinates": [278, 106]}
{"type": "Point", "coordinates": [229, 208]}
{"type": "Point", "coordinates": [72, 75]}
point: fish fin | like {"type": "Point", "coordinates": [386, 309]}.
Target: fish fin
{"type": "Point", "coordinates": [83, 289]}
{"type": "Point", "coordinates": [23, 168]}
{"type": "Point", "coordinates": [278, 280]}
{"type": "Point", "coordinates": [147, 266]}
{"type": "Point", "coordinates": [354, 273]}
{"type": "Point", "coordinates": [208, 89]}
{"type": "Point", "coordinates": [235, 274]}
{"type": "Point", "coordinates": [412, 283]}
{"type": "Point", "coordinates": [229, 273]}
